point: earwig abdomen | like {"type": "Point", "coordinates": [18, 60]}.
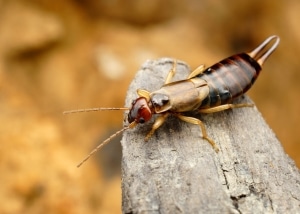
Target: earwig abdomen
{"type": "Point", "coordinates": [229, 79]}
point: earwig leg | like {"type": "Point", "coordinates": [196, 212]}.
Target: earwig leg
{"type": "Point", "coordinates": [143, 93]}
{"type": "Point", "coordinates": [158, 122]}
{"type": "Point", "coordinates": [197, 71]}
{"type": "Point", "coordinates": [202, 127]}
{"type": "Point", "coordinates": [171, 72]}
{"type": "Point", "coordinates": [225, 107]}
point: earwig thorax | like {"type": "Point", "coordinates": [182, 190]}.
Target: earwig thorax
{"type": "Point", "coordinates": [160, 102]}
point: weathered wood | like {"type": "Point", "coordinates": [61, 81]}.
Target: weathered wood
{"type": "Point", "coordinates": [177, 171]}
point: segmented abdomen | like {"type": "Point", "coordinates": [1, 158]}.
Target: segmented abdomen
{"type": "Point", "coordinates": [229, 79]}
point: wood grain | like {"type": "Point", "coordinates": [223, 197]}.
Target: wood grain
{"type": "Point", "coordinates": [177, 171]}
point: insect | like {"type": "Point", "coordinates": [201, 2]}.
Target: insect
{"type": "Point", "coordinates": [205, 90]}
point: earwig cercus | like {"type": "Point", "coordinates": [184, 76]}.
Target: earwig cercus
{"type": "Point", "coordinates": [205, 90]}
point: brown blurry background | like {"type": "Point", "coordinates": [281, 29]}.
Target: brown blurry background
{"type": "Point", "coordinates": [61, 55]}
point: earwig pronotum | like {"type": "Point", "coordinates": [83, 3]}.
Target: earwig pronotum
{"type": "Point", "coordinates": [204, 90]}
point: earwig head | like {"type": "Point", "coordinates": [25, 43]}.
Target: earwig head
{"type": "Point", "coordinates": [140, 112]}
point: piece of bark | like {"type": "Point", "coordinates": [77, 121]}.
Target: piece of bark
{"type": "Point", "coordinates": [176, 171]}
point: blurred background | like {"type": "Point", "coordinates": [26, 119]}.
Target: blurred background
{"type": "Point", "coordinates": [61, 55]}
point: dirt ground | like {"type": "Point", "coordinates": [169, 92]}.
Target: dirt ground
{"type": "Point", "coordinates": [61, 55]}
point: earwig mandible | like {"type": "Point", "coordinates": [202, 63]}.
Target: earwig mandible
{"type": "Point", "coordinates": [204, 90]}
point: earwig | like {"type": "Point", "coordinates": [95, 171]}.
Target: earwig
{"type": "Point", "coordinates": [204, 90]}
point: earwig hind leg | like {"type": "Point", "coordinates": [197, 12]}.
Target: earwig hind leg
{"type": "Point", "coordinates": [225, 107]}
{"type": "Point", "coordinates": [158, 122]}
{"type": "Point", "coordinates": [202, 127]}
{"type": "Point", "coordinates": [171, 72]}
{"type": "Point", "coordinates": [197, 71]}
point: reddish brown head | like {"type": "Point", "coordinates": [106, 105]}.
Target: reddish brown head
{"type": "Point", "coordinates": [140, 112]}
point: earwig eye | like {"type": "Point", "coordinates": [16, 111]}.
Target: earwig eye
{"type": "Point", "coordinates": [141, 120]}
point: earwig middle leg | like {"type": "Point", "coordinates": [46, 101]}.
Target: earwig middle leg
{"type": "Point", "coordinates": [202, 127]}
{"type": "Point", "coordinates": [158, 122]}
{"type": "Point", "coordinates": [225, 107]}
{"type": "Point", "coordinates": [171, 72]}
{"type": "Point", "coordinates": [194, 73]}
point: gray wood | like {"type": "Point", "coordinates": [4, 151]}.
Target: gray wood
{"type": "Point", "coordinates": [177, 171]}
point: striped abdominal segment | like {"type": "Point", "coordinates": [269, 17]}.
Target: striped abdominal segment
{"type": "Point", "coordinates": [229, 79]}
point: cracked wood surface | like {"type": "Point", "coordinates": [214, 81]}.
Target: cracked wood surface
{"type": "Point", "coordinates": [177, 171]}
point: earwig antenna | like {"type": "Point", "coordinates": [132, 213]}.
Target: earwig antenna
{"type": "Point", "coordinates": [102, 144]}
{"type": "Point", "coordinates": [93, 109]}
{"type": "Point", "coordinates": [131, 125]}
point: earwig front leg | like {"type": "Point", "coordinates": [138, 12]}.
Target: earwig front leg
{"type": "Point", "coordinates": [202, 127]}
{"type": "Point", "coordinates": [197, 71]}
{"type": "Point", "coordinates": [171, 72]}
{"type": "Point", "coordinates": [158, 122]}
{"type": "Point", "coordinates": [143, 93]}
{"type": "Point", "coordinates": [225, 107]}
